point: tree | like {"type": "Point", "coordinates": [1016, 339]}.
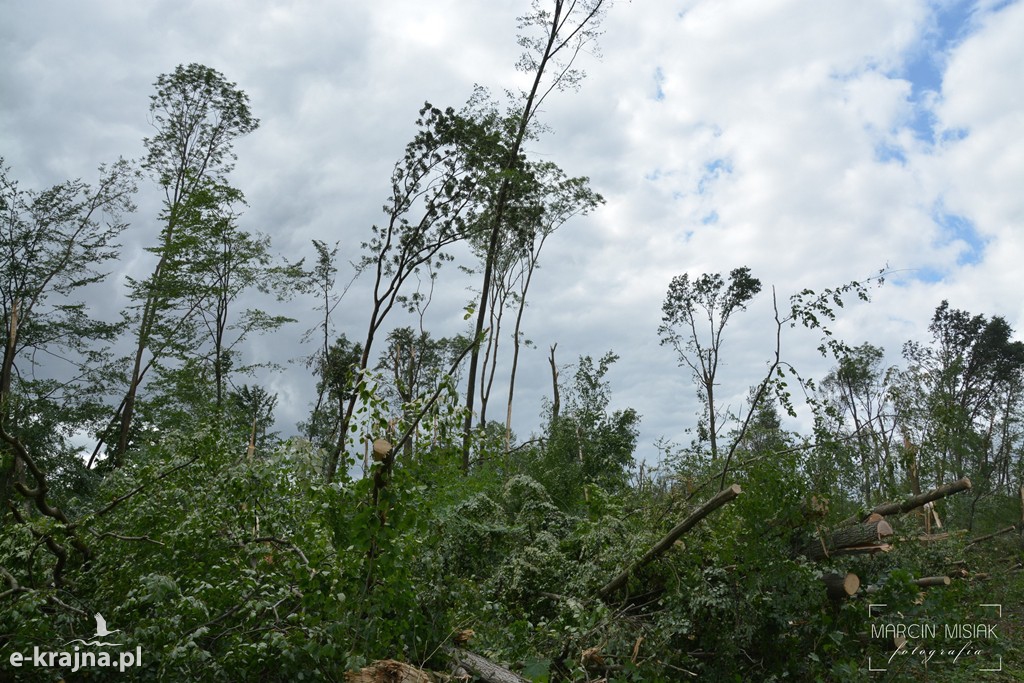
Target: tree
{"type": "Point", "coordinates": [198, 115]}
{"type": "Point", "coordinates": [694, 315]}
{"type": "Point", "coordinates": [587, 443]}
{"type": "Point", "coordinates": [859, 389]}
{"type": "Point", "coordinates": [545, 199]}
{"type": "Point", "coordinates": [434, 190]}
{"type": "Point", "coordinates": [54, 245]}
{"type": "Point", "coordinates": [966, 378]}
{"type": "Point", "coordinates": [221, 262]}
{"type": "Point", "coordinates": [563, 32]}
{"type": "Point", "coordinates": [336, 370]}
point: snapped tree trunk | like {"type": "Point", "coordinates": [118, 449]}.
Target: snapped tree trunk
{"type": "Point", "coordinates": [390, 671]}
{"type": "Point", "coordinates": [720, 499]}
{"type": "Point", "coordinates": [484, 668]}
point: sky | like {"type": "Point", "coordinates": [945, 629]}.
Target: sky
{"type": "Point", "coordinates": [814, 142]}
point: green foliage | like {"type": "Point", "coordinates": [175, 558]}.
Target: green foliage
{"type": "Point", "coordinates": [225, 553]}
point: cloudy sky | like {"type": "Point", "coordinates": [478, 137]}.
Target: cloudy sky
{"type": "Point", "coordinates": [815, 142]}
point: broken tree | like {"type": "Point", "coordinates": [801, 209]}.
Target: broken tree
{"type": "Point", "coordinates": [914, 502]}
{"type": "Point", "coordinates": [720, 499]}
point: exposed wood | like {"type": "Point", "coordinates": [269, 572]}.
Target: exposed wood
{"type": "Point", "coordinates": [814, 507]}
{"type": "Point", "coordinates": [929, 581]}
{"type": "Point", "coordinates": [979, 539]}
{"type": "Point", "coordinates": [841, 586]}
{"type": "Point", "coordinates": [914, 502]}
{"type": "Point", "coordinates": [863, 549]}
{"type": "Point", "coordinates": [720, 499]}
{"type": "Point", "coordinates": [555, 401]}
{"type": "Point", "coordinates": [858, 535]}
{"type": "Point", "coordinates": [391, 671]}
{"type": "Point", "coordinates": [483, 668]}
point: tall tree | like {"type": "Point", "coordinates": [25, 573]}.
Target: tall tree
{"type": "Point", "coordinates": [435, 189]}
{"type": "Point", "coordinates": [694, 316]}
{"type": "Point", "coordinates": [198, 115]}
{"type": "Point", "coordinates": [963, 376]}
{"type": "Point", "coordinates": [859, 391]}
{"type": "Point", "coordinates": [544, 200]}
{"type": "Point", "coordinates": [561, 34]}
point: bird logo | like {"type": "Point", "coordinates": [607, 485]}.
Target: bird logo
{"type": "Point", "coordinates": [101, 632]}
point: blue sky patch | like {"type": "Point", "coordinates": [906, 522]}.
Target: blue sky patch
{"type": "Point", "coordinates": [886, 152]}
{"type": "Point", "coordinates": [659, 82]}
{"type": "Point", "coordinates": [949, 24]}
{"type": "Point", "coordinates": [955, 228]}
{"type": "Point", "coordinates": [713, 170]}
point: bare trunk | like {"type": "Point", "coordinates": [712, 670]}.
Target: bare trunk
{"type": "Point", "coordinates": [720, 499]}
{"type": "Point", "coordinates": [914, 502]}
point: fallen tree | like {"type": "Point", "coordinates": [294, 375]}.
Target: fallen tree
{"type": "Point", "coordinates": [979, 539]}
{"type": "Point", "coordinates": [483, 668]}
{"type": "Point", "coordinates": [912, 503]}
{"type": "Point", "coordinates": [391, 671]}
{"type": "Point", "coordinates": [720, 499]}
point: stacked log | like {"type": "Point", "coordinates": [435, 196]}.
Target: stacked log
{"type": "Point", "coordinates": [859, 538]}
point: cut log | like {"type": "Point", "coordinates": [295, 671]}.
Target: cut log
{"type": "Point", "coordinates": [720, 499]}
{"type": "Point", "coordinates": [929, 581]}
{"type": "Point", "coordinates": [840, 587]}
{"type": "Point", "coordinates": [858, 535]}
{"type": "Point", "coordinates": [924, 582]}
{"type": "Point", "coordinates": [390, 671]}
{"type": "Point", "coordinates": [979, 539]}
{"type": "Point", "coordinates": [483, 668]}
{"type": "Point", "coordinates": [914, 502]}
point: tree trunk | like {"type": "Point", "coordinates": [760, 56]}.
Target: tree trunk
{"type": "Point", "coordinates": [483, 668]}
{"type": "Point", "coordinates": [979, 539]}
{"type": "Point", "coordinates": [390, 671]}
{"type": "Point", "coordinates": [556, 403]}
{"type": "Point", "coordinates": [720, 499]}
{"type": "Point", "coordinates": [914, 502]}
{"type": "Point", "coordinates": [850, 536]}
{"type": "Point", "coordinates": [841, 586]}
